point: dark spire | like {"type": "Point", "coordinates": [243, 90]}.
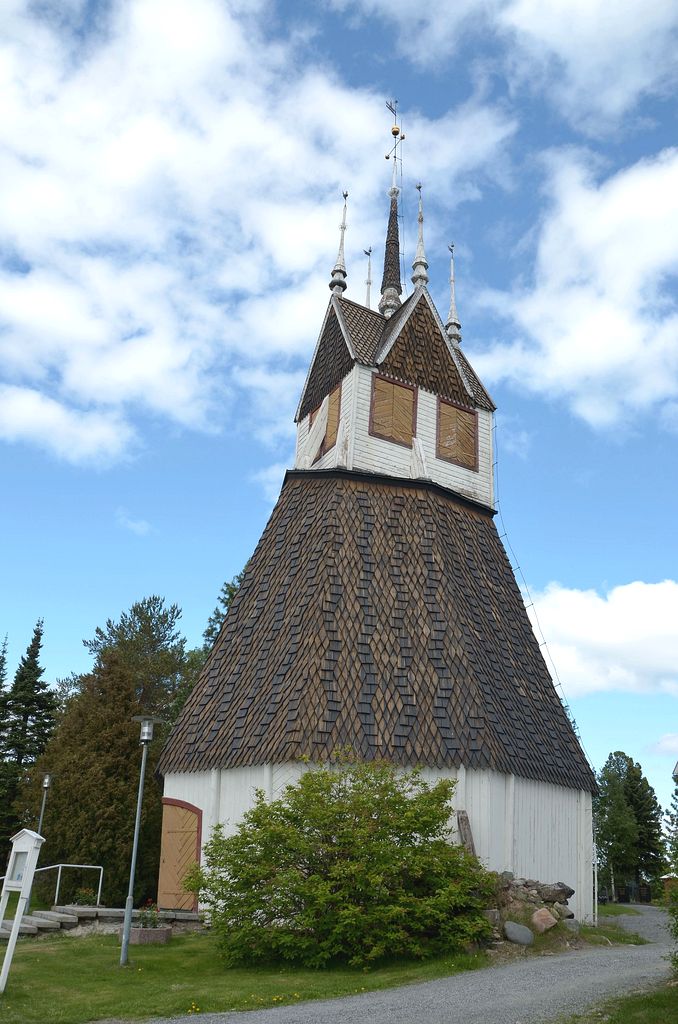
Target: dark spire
{"type": "Point", "coordinates": [391, 289]}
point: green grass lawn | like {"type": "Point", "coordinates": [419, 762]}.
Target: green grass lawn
{"type": "Point", "coordinates": [61, 980]}
{"type": "Point", "coordinates": [616, 910]}
{"type": "Point", "coordinates": [660, 1007]}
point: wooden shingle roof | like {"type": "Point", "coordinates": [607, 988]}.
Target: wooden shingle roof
{"type": "Point", "coordinates": [381, 614]}
{"type": "Point", "coordinates": [411, 345]}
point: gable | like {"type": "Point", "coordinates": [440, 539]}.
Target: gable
{"type": "Point", "coordinates": [420, 356]}
{"type": "Point", "coordinates": [331, 364]}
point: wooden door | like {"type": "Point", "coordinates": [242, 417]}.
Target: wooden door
{"type": "Point", "coordinates": [179, 850]}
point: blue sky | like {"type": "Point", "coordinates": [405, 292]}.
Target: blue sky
{"type": "Point", "coordinates": [171, 193]}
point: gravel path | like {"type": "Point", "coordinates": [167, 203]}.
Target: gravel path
{"type": "Point", "coordinates": [530, 991]}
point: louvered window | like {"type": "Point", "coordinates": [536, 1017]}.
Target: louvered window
{"type": "Point", "coordinates": [457, 435]}
{"type": "Point", "coordinates": [393, 411]}
{"type": "Point", "coordinates": [332, 429]}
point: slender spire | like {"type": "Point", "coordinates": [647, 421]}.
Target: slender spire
{"type": "Point", "coordinates": [368, 282]}
{"type": "Point", "coordinates": [420, 266]}
{"type": "Point", "coordinates": [338, 281]}
{"type": "Point", "coordinates": [391, 288]}
{"type": "Point", "coordinates": [452, 326]}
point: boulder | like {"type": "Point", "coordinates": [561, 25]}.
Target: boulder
{"type": "Point", "coordinates": [562, 910]}
{"type": "Point", "coordinates": [542, 920]}
{"type": "Point", "coordinates": [518, 933]}
{"type": "Point", "coordinates": [492, 915]}
{"type": "Point", "coordinates": [558, 892]}
{"type": "Point", "coordinates": [572, 925]}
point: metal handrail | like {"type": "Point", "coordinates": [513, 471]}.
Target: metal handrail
{"type": "Point", "coordinates": [92, 867]}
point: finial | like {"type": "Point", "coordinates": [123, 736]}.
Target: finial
{"type": "Point", "coordinates": [391, 289]}
{"type": "Point", "coordinates": [420, 266]}
{"type": "Point", "coordinates": [452, 326]}
{"type": "Point", "coordinates": [338, 281]}
{"type": "Point", "coordinates": [368, 282]}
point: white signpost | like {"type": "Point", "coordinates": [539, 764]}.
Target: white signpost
{"type": "Point", "coordinates": [22, 863]}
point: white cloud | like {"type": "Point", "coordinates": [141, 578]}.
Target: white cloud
{"type": "Point", "coordinates": [71, 434]}
{"type": "Point", "coordinates": [599, 325]}
{"type": "Point", "coordinates": [271, 479]}
{"type": "Point", "coordinates": [594, 59]}
{"type": "Point", "coordinates": [139, 526]}
{"type": "Point", "coordinates": [623, 640]}
{"type": "Point", "coordinates": [169, 209]}
{"type": "Point", "coordinates": [666, 744]}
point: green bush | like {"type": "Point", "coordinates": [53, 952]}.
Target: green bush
{"type": "Point", "coordinates": [672, 907]}
{"type": "Point", "coordinates": [351, 865]}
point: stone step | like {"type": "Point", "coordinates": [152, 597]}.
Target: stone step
{"type": "Point", "coordinates": [79, 912]}
{"type": "Point", "coordinates": [24, 929]}
{"type": "Point", "coordinates": [65, 920]}
{"type": "Point", "coordinates": [41, 923]}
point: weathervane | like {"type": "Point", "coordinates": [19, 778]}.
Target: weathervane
{"type": "Point", "coordinates": [398, 139]}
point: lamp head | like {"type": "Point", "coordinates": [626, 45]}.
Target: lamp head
{"type": "Point", "coordinates": [147, 723]}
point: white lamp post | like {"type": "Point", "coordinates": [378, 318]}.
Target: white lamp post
{"type": "Point", "coordinates": [147, 723]}
{"type": "Point", "coordinates": [46, 783]}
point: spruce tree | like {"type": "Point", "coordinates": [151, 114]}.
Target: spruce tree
{"type": "Point", "coordinates": [29, 723]}
{"type": "Point", "coordinates": [3, 695]}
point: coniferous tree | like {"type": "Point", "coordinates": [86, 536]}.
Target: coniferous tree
{"type": "Point", "coordinates": [95, 758]}
{"type": "Point", "coordinates": [3, 694]}
{"type": "Point", "coordinates": [95, 755]}
{"type": "Point", "coordinates": [148, 640]}
{"type": "Point", "coordinates": [216, 620]}
{"type": "Point", "coordinates": [671, 822]}
{"type": "Point", "coordinates": [30, 707]}
{"type": "Point", "coordinates": [627, 817]}
{"type": "Point", "coordinates": [28, 724]}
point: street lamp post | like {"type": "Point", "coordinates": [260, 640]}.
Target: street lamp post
{"type": "Point", "coordinates": [147, 723]}
{"type": "Point", "coordinates": [46, 783]}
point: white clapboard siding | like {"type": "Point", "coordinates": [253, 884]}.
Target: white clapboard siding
{"type": "Point", "coordinates": [329, 459]}
{"type": "Point", "coordinates": [534, 829]}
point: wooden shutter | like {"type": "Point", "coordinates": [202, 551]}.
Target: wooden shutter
{"type": "Point", "coordinates": [332, 428]}
{"type": "Point", "coordinates": [457, 435]}
{"type": "Point", "coordinates": [392, 411]}
{"type": "Point", "coordinates": [180, 849]}
{"type": "Point", "coordinates": [332, 419]}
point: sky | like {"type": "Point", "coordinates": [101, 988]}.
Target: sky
{"type": "Point", "coordinates": [171, 175]}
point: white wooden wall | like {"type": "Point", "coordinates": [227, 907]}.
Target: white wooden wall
{"type": "Point", "coordinates": [534, 829]}
{"type": "Point", "coordinates": [374, 455]}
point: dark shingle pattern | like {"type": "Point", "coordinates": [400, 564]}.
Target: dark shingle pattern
{"type": "Point", "coordinates": [365, 327]}
{"type": "Point", "coordinates": [381, 614]}
{"type": "Point", "coordinates": [331, 364]}
{"type": "Point", "coordinates": [420, 356]}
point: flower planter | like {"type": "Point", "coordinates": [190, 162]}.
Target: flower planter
{"type": "Point", "coordinates": [149, 936]}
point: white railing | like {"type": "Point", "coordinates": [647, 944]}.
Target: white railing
{"type": "Point", "coordinates": [89, 867]}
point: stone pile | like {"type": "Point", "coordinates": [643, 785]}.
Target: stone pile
{"type": "Point", "coordinates": [527, 907]}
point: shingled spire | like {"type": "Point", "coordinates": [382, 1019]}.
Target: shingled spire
{"type": "Point", "coordinates": [420, 266]}
{"type": "Point", "coordinates": [338, 280]}
{"type": "Point", "coordinates": [391, 288]}
{"type": "Point", "coordinates": [452, 324]}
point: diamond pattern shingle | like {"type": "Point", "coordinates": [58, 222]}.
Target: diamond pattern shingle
{"type": "Point", "coordinates": [382, 614]}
